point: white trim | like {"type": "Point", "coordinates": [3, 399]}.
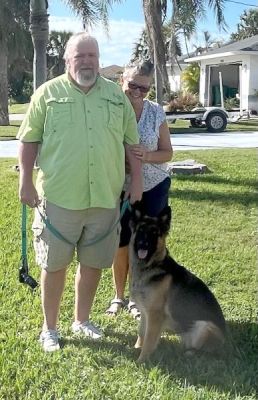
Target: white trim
{"type": "Point", "coordinates": [219, 55]}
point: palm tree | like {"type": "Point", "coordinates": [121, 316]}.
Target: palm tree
{"type": "Point", "coordinates": [14, 19]}
{"type": "Point", "coordinates": [155, 13]}
{"type": "Point", "coordinates": [90, 11]}
{"type": "Point", "coordinates": [248, 25]}
{"type": "Point", "coordinates": [39, 35]}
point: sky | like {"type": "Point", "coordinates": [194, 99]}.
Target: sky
{"type": "Point", "coordinates": [126, 22]}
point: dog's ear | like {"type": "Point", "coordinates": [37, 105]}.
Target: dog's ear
{"type": "Point", "coordinates": [165, 219]}
{"type": "Point", "coordinates": [136, 214]}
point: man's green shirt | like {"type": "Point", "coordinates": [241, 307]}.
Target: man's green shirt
{"type": "Point", "coordinates": [82, 137]}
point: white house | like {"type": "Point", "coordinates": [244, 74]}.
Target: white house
{"type": "Point", "coordinates": [174, 73]}
{"type": "Point", "coordinates": [238, 64]}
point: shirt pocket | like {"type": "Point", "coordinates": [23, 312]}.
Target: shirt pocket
{"type": "Point", "coordinates": [116, 116]}
{"type": "Point", "coordinates": [59, 114]}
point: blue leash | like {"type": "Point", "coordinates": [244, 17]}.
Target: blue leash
{"type": "Point", "coordinates": [126, 205]}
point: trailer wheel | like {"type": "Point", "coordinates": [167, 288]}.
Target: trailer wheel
{"type": "Point", "coordinates": [197, 123]}
{"type": "Point", "coordinates": [216, 122]}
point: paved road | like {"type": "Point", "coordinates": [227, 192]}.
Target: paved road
{"type": "Point", "coordinates": [184, 141]}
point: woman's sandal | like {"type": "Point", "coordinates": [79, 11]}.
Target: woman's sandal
{"type": "Point", "coordinates": [115, 306]}
{"type": "Point", "coordinates": [133, 310]}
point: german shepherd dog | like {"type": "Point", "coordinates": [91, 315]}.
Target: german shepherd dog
{"type": "Point", "coordinates": [168, 295]}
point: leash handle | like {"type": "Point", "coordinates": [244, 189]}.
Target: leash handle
{"type": "Point", "coordinates": [24, 233]}
{"type": "Point", "coordinates": [24, 276]}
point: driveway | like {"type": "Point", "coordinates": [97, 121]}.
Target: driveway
{"type": "Point", "coordinates": [182, 141]}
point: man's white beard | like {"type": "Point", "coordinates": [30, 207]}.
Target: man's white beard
{"type": "Point", "coordinates": [86, 77]}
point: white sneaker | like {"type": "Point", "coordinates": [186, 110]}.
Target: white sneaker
{"type": "Point", "coordinates": [49, 340]}
{"type": "Point", "coordinates": [87, 329]}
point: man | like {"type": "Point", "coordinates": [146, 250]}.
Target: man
{"type": "Point", "coordinates": [82, 123]}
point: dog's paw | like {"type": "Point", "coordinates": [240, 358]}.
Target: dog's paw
{"type": "Point", "coordinates": [141, 360]}
{"type": "Point", "coordinates": [138, 343]}
{"type": "Point", "coordinates": [190, 353]}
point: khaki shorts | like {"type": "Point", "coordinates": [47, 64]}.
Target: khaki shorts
{"type": "Point", "coordinates": [80, 227]}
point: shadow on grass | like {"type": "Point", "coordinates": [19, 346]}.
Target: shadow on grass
{"type": "Point", "coordinates": [234, 370]}
{"type": "Point", "coordinates": [245, 198]}
{"type": "Point", "coordinates": [4, 138]}
{"type": "Point", "coordinates": [122, 345]}
{"type": "Point", "coordinates": [209, 178]}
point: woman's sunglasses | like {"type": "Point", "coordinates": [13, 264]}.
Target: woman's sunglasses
{"type": "Point", "coordinates": [143, 89]}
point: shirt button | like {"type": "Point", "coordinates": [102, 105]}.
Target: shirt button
{"type": "Point", "coordinates": [91, 183]}
{"type": "Point", "coordinates": [91, 147]}
{"type": "Point", "coordinates": [91, 164]}
{"type": "Point", "coordinates": [90, 128]}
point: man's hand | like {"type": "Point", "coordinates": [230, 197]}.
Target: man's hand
{"type": "Point", "coordinates": [28, 195]}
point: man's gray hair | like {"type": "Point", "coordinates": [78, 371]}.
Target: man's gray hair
{"type": "Point", "coordinates": [77, 38]}
{"type": "Point", "coordinates": [144, 68]}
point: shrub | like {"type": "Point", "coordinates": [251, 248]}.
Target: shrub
{"type": "Point", "coordinates": [183, 101]}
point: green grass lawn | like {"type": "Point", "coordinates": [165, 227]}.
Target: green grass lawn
{"type": "Point", "coordinates": [9, 132]}
{"type": "Point", "coordinates": [18, 108]}
{"type": "Point", "coordinates": [182, 126]}
{"type": "Point", "coordinates": [214, 235]}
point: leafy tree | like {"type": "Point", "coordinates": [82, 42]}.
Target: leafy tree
{"type": "Point", "coordinates": [55, 52]}
{"type": "Point", "coordinates": [248, 25]}
{"type": "Point", "coordinates": [191, 78]}
{"type": "Point", "coordinates": [14, 21]}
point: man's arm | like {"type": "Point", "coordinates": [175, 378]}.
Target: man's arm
{"type": "Point", "coordinates": [136, 186]}
{"type": "Point", "coordinates": [27, 157]}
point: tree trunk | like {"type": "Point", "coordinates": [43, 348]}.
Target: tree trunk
{"type": "Point", "coordinates": [4, 117]}
{"type": "Point", "coordinates": [153, 19]}
{"type": "Point", "coordinates": [39, 33]}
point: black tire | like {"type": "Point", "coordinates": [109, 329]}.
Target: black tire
{"type": "Point", "coordinates": [197, 123]}
{"type": "Point", "coordinates": [216, 122]}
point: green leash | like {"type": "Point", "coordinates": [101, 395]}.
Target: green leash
{"type": "Point", "coordinates": [57, 234]}
{"type": "Point", "coordinates": [24, 276]}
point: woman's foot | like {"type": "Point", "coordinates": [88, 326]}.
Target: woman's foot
{"type": "Point", "coordinates": [133, 310]}
{"type": "Point", "coordinates": [115, 306]}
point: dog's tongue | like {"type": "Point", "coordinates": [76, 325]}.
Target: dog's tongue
{"type": "Point", "coordinates": [142, 253]}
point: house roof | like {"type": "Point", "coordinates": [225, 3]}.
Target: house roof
{"type": "Point", "coordinates": [249, 45]}
{"type": "Point", "coordinates": [111, 72]}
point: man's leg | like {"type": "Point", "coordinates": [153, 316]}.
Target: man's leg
{"type": "Point", "coordinates": [52, 286]}
{"type": "Point", "coordinates": [86, 283]}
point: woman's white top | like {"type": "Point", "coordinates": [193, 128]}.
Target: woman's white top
{"type": "Point", "coordinates": [149, 123]}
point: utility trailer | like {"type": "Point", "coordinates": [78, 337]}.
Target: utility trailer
{"type": "Point", "coordinates": [214, 119]}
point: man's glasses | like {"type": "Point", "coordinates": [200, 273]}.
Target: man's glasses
{"type": "Point", "coordinates": [134, 86]}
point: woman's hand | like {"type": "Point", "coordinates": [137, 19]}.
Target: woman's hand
{"type": "Point", "coordinates": [141, 152]}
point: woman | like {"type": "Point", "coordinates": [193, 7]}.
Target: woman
{"type": "Point", "coordinates": [154, 150]}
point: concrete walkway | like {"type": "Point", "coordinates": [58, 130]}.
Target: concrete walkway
{"type": "Point", "coordinates": [184, 141]}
